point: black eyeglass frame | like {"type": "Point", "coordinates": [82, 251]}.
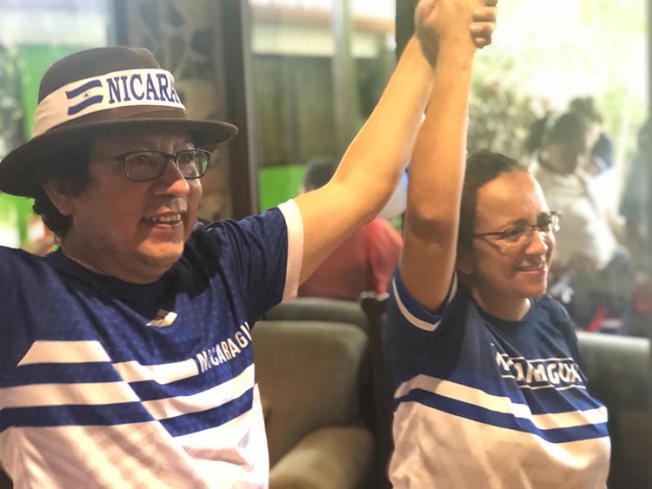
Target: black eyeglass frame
{"type": "Point", "coordinates": [555, 217]}
{"type": "Point", "coordinates": [167, 157]}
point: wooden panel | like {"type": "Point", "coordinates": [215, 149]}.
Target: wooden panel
{"type": "Point", "coordinates": [233, 38]}
{"type": "Point", "coordinates": [404, 23]}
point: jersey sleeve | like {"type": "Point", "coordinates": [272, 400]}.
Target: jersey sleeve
{"type": "Point", "coordinates": [411, 328]}
{"type": "Point", "coordinates": [261, 256]}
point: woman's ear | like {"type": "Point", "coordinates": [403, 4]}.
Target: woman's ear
{"type": "Point", "coordinates": [60, 196]}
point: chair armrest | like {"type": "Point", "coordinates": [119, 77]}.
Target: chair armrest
{"type": "Point", "coordinates": [328, 458]}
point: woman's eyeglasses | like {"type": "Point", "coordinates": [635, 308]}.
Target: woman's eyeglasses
{"type": "Point", "coordinates": [547, 222]}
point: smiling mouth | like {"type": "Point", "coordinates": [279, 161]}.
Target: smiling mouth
{"type": "Point", "coordinates": [169, 219]}
{"type": "Point", "coordinates": [541, 267]}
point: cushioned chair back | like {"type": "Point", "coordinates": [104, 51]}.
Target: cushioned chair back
{"type": "Point", "coordinates": [620, 375]}
{"type": "Point", "coordinates": [319, 309]}
{"type": "Point", "coordinates": [618, 367]}
{"type": "Point", "coordinates": [337, 311]}
{"type": "Point", "coordinates": [308, 374]}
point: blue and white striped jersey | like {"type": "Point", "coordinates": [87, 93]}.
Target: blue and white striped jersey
{"type": "Point", "coordinates": [109, 384]}
{"type": "Point", "coordinates": [484, 402]}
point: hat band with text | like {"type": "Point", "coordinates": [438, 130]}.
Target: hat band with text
{"type": "Point", "coordinates": [110, 91]}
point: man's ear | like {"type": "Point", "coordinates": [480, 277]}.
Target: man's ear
{"type": "Point", "coordinates": [60, 196]}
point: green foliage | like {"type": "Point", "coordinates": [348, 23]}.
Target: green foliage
{"type": "Point", "coordinates": [552, 52]}
{"type": "Point", "coordinates": [500, 113]}
{"type": "Point", "coordinates": [10, 109]}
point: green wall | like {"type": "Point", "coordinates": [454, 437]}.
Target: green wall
{"type": "Point", "coordinates": [15, 213]}
{"type": "Point", "coordinates": [276, 184]}
{"type": "Point", "coordinates": [33, 60]}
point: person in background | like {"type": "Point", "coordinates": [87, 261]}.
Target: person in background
{"type": "Point", "coordinates": [125, 356]}
{"type": "Point", "coordinates": [364, 262]}
{"type": "Point", "coordinates": [537, 129]}
{"type": "Point", "coordinates": [601, 146]}
{"type": "Point", "coordinates": [589, 256]}
{"type": "Point", "coordinates": [588, 236]}
{"type": "Point", "coordinates": [489, 391]}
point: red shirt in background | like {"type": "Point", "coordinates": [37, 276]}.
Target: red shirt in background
{"type": "Point", "coordinates": [364, 262]}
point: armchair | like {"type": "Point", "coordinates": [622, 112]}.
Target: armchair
{"type": "Point", "coordinates": [320, 309]}
{"type": "Point", "coordinates": [619, 369]}
{"type": "Point", "coordinates": [308, 375]}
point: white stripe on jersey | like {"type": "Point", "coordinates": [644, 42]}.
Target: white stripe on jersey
{"type": "Point", "coordinates": [135, 456]}
{"type": "Point", "coordinates": [294, 224]}
{"type": "Point", "coordinates": [438, 449]}
{"type": "Point", "coordinates": [83, 393]}
{"type": "Point", "coordinates": [202, 401]}
{"type": "Point", "coordinates": [43, 351]}
{"type": "Point", "coordinates": [415, 321]}
{"type": "Point", "coordinates": [164, 373]}
{"type": "Point", "coordinates": [500, 404]}
{"type": "Point", "coordinates": [129, 456]}
{"type": "Point", "coordinates": [239, 441]}
{"type": "Point", "coordinates": [72, 351]}
{"type": "Point", "coordinates": [98, 393]}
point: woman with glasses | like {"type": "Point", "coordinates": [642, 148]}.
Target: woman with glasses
{"type": "Point", "coordinates": [488, 388]}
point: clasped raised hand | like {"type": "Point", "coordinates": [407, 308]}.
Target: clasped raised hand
{"type": "Point", "coordinates": [456, 21]}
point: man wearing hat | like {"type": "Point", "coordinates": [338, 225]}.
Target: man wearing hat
{"type": "Point", "coordinates": [125, 356]}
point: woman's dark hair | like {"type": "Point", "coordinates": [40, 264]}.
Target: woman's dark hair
{"type": "Point", "coordinates": [481, 168]}
{"type": "Point", "coordinates": [72, 175]}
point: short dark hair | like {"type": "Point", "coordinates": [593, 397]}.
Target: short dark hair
{"type": "Point", "coordinates": [319, 171]}
{"type": "Point", "coordinates": [585, 106]}
{"type": "Point", "coordinates": [536, 133]}
{"type": "Point", "coordinates": [568, 127]}
{"type": "Point", "coordinates": [72, 173]}
{"type": "Point", "coordinates": [481, 167]}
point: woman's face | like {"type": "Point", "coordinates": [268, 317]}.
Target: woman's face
{"type": "Point", "coordinates": [507, 269]}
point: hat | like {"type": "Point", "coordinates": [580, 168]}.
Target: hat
{"type": "Point", "coordinates": [91, 92]}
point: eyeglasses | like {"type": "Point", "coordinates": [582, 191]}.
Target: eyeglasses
{"type": "Point", "coordinates": [142, 166]}
{"type": "Point", "coordinates": [547, 222]}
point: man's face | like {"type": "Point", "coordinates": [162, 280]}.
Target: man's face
{"type": "Point", "coordinates": [510, 271]}
{"type": "Point", "coordinates": [132, 230]}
